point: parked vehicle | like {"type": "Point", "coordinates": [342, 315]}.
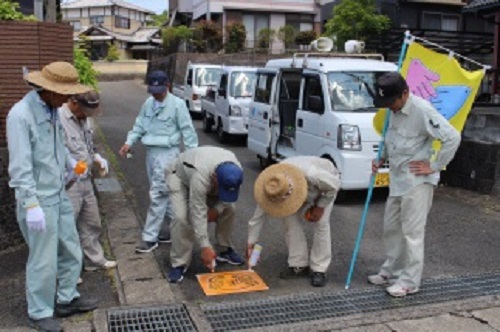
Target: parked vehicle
{"type": "Point", "coordinates": [197, 79]}
{"type": "Point", "coordinates": [320, 106]}
{"type": "Point", "coordinates": [226, 108]}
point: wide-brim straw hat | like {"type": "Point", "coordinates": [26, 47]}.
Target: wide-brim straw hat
{"type": "Point", "coordinates": [59, 77]}
{"type": "Point", "coordinates": [280, 190]}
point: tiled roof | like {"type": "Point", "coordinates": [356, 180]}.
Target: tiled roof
{"type": "Point", "coordinates": [141, 35]}
{"type": "Point", "coordinates": [103, 3]}
{"type": "Point", "coordinates": [481, 4]}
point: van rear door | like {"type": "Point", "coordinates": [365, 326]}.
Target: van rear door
{"type": "Point", "coordinates": [260, 113]}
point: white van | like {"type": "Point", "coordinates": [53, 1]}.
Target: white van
{"type": "Point", "coordinates": [320, 106]}
{"type": "Point", "coordinates": [197, 79]}
{"type": "Point", "coordinates": [233, 95]}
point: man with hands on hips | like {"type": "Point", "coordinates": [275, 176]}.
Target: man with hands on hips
{"type": "Point", "coordinates": [414, 124]}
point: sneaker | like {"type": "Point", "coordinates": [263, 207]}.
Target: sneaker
{"type": "Point", "coordinates": [164, 239]}
{"type": "Point", "coordinates": [48, 324]}
{"type": "Point", "coordinates": [146, 246]}
{"type": "Point", "coordinates": [294, 272]}
{"type": "Point", "coordinates": [318, 279]}
{"type": "Point", "coordinates": [230, 256]}
{"type": "Point", "coordinates": [397, 290]}
{"type": "Point", "coordinates": [176, 275]}
{"type": "Point", "coordinates": [106, 266]}
{"type": "Point", "coordinates": [380, 279]}
{"type": "Point", "coordinates": [80, 281]}
{"type": "Point", "coordinates": [78, 305]}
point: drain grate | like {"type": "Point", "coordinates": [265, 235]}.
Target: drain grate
{"type": "Point", "coordinates": [164, 318]}
{"type": "Point", "coordinates": [309, 307]}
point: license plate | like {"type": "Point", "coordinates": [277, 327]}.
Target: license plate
{"type": "Point", "coordinates": [382, 180]}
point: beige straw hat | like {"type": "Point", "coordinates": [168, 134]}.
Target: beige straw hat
{"type": "Point", "coordinates": [280, 190]}
{"type": "Point", "coordinates": [59, 77]}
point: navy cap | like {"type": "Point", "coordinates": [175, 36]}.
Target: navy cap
{"type": "Point", "coordinates": [229, 180]}
{"type": "Point", "coordinates": [157, 82]}
{"type": "Point", "coordinates": [390, 86]}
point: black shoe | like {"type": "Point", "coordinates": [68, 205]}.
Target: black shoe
{"type": "Point", "coordinates": [48, 324]}
{"type": "Point", "coordinates": [78, 305]}
{"type": "Point", "coordinates": [294, 272]}
{"type": "Point", "coordinates": [318, 279]}
{"type": "Point", "coordinates": [146, 246]}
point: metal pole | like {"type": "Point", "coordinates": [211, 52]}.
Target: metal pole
{"type": "Point", "coordinates": [372, 178]}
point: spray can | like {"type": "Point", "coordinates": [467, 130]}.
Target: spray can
{"type": "Point", "coordinates": [254, 257]}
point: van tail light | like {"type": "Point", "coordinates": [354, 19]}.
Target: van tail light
{"type": "Point", "coordinates": [195, 96]}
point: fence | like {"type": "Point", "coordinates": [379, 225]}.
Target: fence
{"type": "Point", "coordinates": [31, 45]}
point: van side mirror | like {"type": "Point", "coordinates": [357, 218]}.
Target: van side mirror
{"type": "Point", "coordinates": [222, 92]}
{"type": "Point", "coordinates": [316, 104]}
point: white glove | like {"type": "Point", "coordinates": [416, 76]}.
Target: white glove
{"type": "Point", "coordinates": [35, 219]}
{"type": "Point", "coordinates": [102, 162]}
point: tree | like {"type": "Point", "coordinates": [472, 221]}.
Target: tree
{"type": "Point", "coordinates": [113, 53]}
{"type": "Point", "coordinates": [305, 37]}
{"type": "Point", "coordinates": [356, 19]}
{"type": "Point", "coordinates": [287, 35]}
{"type": "Point", "coordinates": [86, 73]}
{"type": "Point", "coordinates": [207, 36]}
{"type": "Point", "coordinates": [173, 36]}
{"type": "Point", "coordinates": [236, 36]}
{"type": "Point", "coordinates": [9, 11]}
{"type": "Point", "coordinates": [265, 38]}
{"type": "Point", "coordinates": [159, 20]}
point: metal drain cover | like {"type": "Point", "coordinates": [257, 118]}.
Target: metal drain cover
{"type": "Point", "coordinates": [310, 307]}
{"type": "Point", "coordinates": [107, 185]}
{"type": "Point", "coordinates": [164, 318]}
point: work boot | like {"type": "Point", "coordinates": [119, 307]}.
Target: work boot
{"type": "Point", "coordinates": [294, 272]}
{"type": "Point", "coordinates": [231, 257]}
{"type": "Point", "coordinates": [145, 247]}
{"type": "Point", "coordinates": [76, 306]}
{"type": "Point", "coordinates": [318, 279]}
{"type": "Point", "coordinates": [49, 324]}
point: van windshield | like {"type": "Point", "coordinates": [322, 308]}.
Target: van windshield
{"type": "Point", "coordinates": [207, 76]}
{"type": "Point", "coordinates": [242, 84]}
{"type": "Point", "coordinates": [352, 91]}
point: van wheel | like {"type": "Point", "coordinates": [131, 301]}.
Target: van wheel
{"type": "Point", "coordinates": [221, 134]}
{"type": "Point", "coordinates": [207, 123]}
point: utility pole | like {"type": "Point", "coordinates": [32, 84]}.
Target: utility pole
{"type": "Point", "coordinates": [209, 16]}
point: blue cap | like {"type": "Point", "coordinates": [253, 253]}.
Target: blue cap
{"type": "Point", "coordinates": [229, 179]}
{"type": "Point", "coordinates": [157, 82]}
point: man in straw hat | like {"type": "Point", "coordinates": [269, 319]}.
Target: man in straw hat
{"type": "Point", "coordinates": [78, 133]}
{"type": "Point", "coordinates": [37, 163]}
{"type": "Point", "coordinates": [298, 189]}
{"type": "Point", "coordinates": [203, 186]}
{"type": "Point", "coordinates": [162, 122]}
{"type": "Point", "coordinates": [414, 125]}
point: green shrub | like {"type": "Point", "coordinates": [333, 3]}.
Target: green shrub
{"type": "Point", "coordinates": [287, 35]}
{"type": "Point", "coordinates": [305, 37]}
{"type": "Point", "coordinates": [113, 53]}
{"type": "Point", "coordinates": [207, 37]}
{"type": "Point", "coordinates": [9, 11]}
{"type": "Point", "coordinates": [86, 72]}
{"type": "Point", "coordinates": [265, 38]}
{"type": "Point", "coordinates": [236, 36]}
{"type": "Point", "coordinates": [172, 36]}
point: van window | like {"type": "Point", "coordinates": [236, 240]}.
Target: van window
{"type": "Point", "coordinates": [189, 80]}
{"type": "Point", "coordinates": [223, 82]}
{"type": "Point", "coordinates": [352, 91]}
{"type": "Point", "coordinates": [313, 95]}
{"type": "Point", "coordinates": [263, 88]}
{"type": "Point", "coordinates": [207, 76]}
{"type": "Point", "coordinates": [242, 84]}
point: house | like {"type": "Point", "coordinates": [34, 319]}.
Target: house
{"type": "Point", "coordinates": [255, 15]}
{"type": "Point", "coordinates": [117, 22]}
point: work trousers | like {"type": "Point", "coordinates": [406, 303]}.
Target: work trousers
{"type": "Point", "coordinates": [55, 258]}
{"type": "Point", "coordinates": [157, 160]}
{"type": "Point", "coordinates": [181, 228]}
{"type": "Point", "coordinates": [88, 221]}
{"type": "Point", "coordinates": [404, 232]}
{"type": "Point", "coordinates": [321, 251]}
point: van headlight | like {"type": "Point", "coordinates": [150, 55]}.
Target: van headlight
{"type": "Point", "coordinates": [235, 111]}
{"type": "Point", "coordinates": [349, 138]}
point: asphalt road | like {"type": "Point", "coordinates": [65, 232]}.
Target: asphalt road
{"type": "Point", "coordinates": [463, 231]}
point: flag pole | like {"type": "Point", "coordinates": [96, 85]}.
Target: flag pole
{"type": "Point", "coordinates": [407, 39]}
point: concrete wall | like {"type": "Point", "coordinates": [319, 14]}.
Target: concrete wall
{"type": "Point", "coordinates": [121, 69]}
